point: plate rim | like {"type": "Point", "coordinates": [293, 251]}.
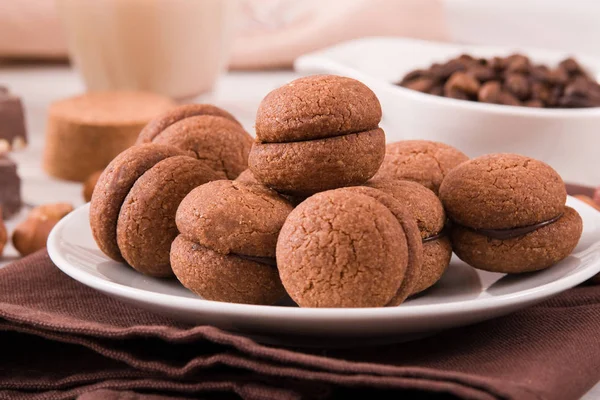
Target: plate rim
{"type": "Point", "coordinates": [197, 305]}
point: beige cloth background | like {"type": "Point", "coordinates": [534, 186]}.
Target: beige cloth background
{"type": "Point", "coordinates": [271, 33]}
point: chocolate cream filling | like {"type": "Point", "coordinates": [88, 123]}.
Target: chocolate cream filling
{"type": "Point", "coordinates": [261, 260]}
{"type": "Point", "coordinates": [440, 234]}
{"type": "Point", "coordinates": [504, 234]}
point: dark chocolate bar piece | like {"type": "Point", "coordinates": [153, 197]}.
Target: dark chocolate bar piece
{"type": "Point", "coordinates": [10, 187]}
{"type": "Point", "coordinates": [13, 135]}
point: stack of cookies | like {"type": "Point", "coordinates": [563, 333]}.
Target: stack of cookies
{"type": "Point", "coordinates": [318, 207]}
{"type": "Point", "coordinates": [352, 241]}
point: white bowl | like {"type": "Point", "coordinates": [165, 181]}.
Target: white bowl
{"type": "Point", "coordinates": [567, 139]}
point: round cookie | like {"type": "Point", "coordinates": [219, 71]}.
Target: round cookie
{"type": "Point", "coordinates": [84, 133]}
{"type": "Point", "coordinates": [503, 191]}
{"type": "Point", "coordinates": [413, 240]}
{"type": "Point", "coordinates": [226, 249]}
{"type": "Point", "coordinates": [429, 213]}
{"type": "Point", "coordinates": [246, 176]}
{"type": "Point", "coordinates": [233, 217]}
{"type": "Point", "coordinates": [533, 251]}
{"type": "Point", "coordinates": [342, 249]}
{"type": "Point", "coordinates": [509, 214]}
{"type": "Point", "coordinates": [316, 107]}
{"type": "Point", "coordinates": [146, 224]}
{"type": "Point", "coordinates": [210, 133]}
{"type": "Point", "coordinates": [317, 133]}
{"type": "Point", "coordinates": [421, 161]}
{"type": "Point", "coordinates": [114, 185]}
{"type": "Point", "coordinates": [164, 120]}
{"type": "Point", "coordinates": [308, 167]}
{"type": "Point", "coordinates": [227, 278]}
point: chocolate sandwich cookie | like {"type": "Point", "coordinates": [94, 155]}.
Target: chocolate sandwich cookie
{"type": "Point", "coordinates": [317, 133]}
{"type": "Point", "coordinates": [408, 223]}
{"type": "Point", "coordinates": [212, 134]}
{"type": "Point", "coordinates": [226, 250]}
{"type": "Point", "coordinates": [421, 161]}
{"type": "Point", "coordinates": [132, 212]}
{"type": "Point", "coordinates": [344, 248]}
{"type": "Point", "coordinates": [248, 177]}
{"type": "Point", "coordinates": [429, 214]}
{"type": "Point", "coordinates": [509, 214]}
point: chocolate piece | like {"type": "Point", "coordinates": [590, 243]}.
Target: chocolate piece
{"type": "Point", "coordinates": [10, 187]}
{"type": "Point", "coordinates": [13, 135]}
{"type": "Point", "coordinates": [504, 234]}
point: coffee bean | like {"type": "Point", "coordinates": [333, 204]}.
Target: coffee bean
{"type": "Point", "coordinates": [508, 99]}
{"type": "Point", "coordinates": [422, 84]}
{"type": "Point", "coordinates": [558, 76]}
{"type": "Point", "coordinates": [518, 86]}
{"type": "Point", "coordinates": [511, 80]}
{"type": "Point", "coordinates": [574, 101]}
{"type": "Point", "coordinates": [463, 82]}
{"type": "Point", "coordinates": [497, 63]}
{"type": "Point", "coordinates": [455, 93]}
{"type": "Point", "coordinates": [540, 73]}
{"type": "Point", "coordinates": [540, 91]}
{"type": "Point", "coordinates": [489, 92]}
{"type": "Point", "coordinates": [412, 75]}
{"type": "Point", "coordinates": [518, 63]}
{"type": "Point", "coordinates": [572, 67]}
{"type": "Point", "coordinates": [444, 71]}
{"type": "Point", "coordinates": [437, 90]}
{"type": "Point", "coordinates": [482, 73]}
{"type": "Point", "coordinates": [533, 103]}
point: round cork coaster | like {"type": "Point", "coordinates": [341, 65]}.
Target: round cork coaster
{"type": "Point", "coordinates": [84, 133]}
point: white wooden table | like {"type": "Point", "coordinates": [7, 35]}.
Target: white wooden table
{"type": "Point", "coordinates": [239, 93]}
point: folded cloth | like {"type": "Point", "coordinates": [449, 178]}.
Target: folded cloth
{"type": "Point", "coordinates": [61, 340]}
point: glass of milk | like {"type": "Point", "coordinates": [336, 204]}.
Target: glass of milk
{"type": "Point", "coordinates": [176, 48]}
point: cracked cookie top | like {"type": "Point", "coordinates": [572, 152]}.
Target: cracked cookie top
{"type": "Point", "coordinates": [503, 191]}
{"type": "Point", "coordinates": [421, 161]}
{"type": "Point", "coordinates": [317, 107]}
{"type": "Point", "coordinates": [340, 248]}
{"type": "Point", "coordinates": [233, 217]}
{"type": "Point", "coordinates": [163, 121]}
{"type": "Point", "coordinates": [221, 143]}
{"type": "Point", "coordinates": [422, 203]}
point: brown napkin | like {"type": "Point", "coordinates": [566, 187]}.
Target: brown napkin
{"type": "Point", "coordinates": [60, 339]}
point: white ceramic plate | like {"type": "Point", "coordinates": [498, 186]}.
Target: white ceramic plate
{"type": "Point", "coordinates": [463, 296]}
{"type": "Point", "coordinates": [567, 139]}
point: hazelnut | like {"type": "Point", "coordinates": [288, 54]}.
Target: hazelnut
{"type": "Point", "coordinates": [31, 235]}
{"type": "Point", "coordinates": [4, 146]}
{"type": "Point", "coordinates": [89, 185]}
{"type": "Point", "coordinates": [3, 234]}
{"type": "Point", "coordinates": [19, 143]}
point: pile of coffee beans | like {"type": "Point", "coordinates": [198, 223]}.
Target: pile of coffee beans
{"type": "Point", "coordinates": [513, 80]}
